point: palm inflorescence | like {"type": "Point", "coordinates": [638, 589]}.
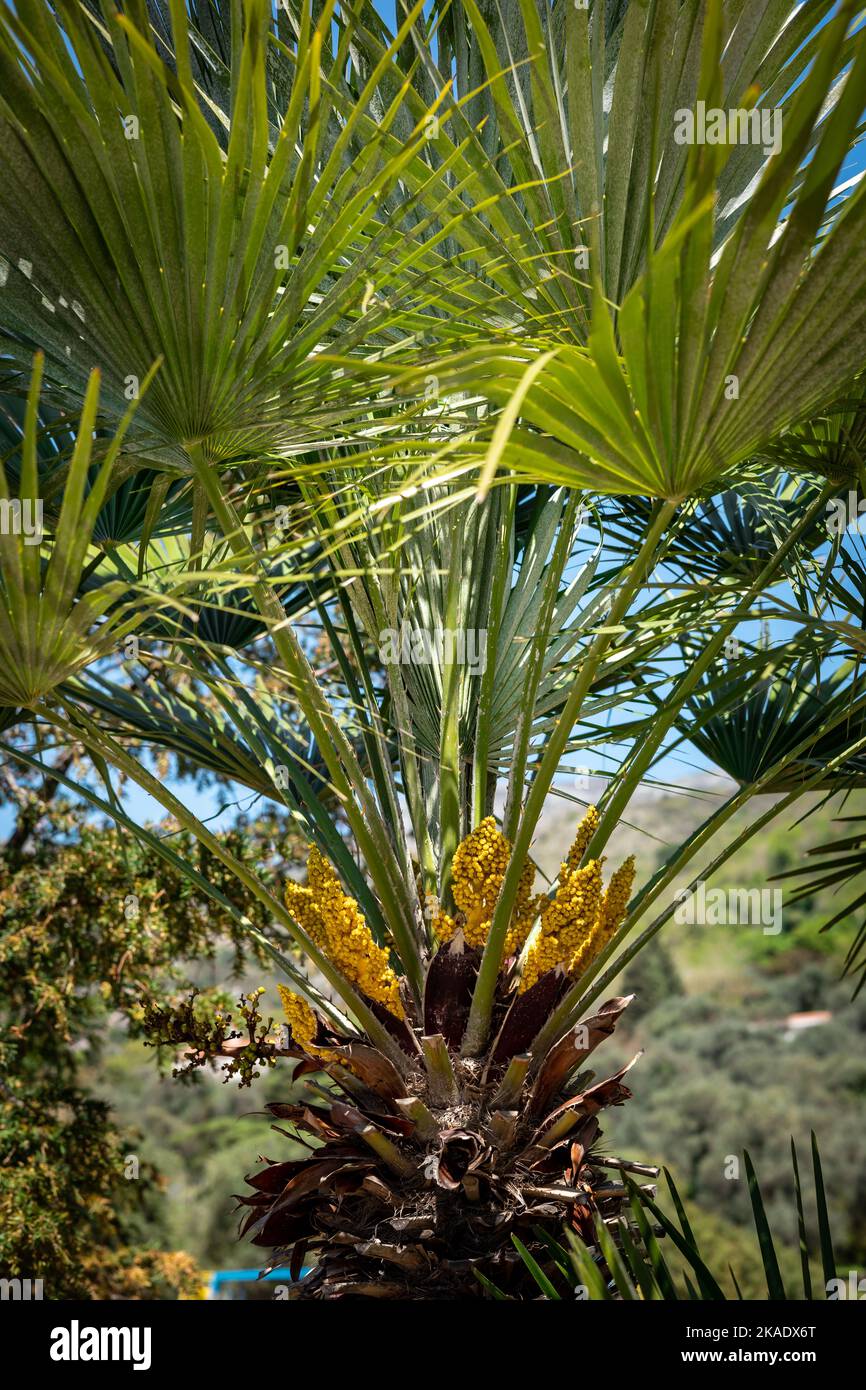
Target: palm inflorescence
{"type": "Point", "coordinates": [425, 1163]}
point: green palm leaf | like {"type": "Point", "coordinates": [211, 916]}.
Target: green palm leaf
{"type": "Point", "coordinates": [49, 629]}
{"type": "Point", "coordinates": [231, 267]}
{"type": "Point", "coordinates": [796, 715]}
{"type": "Point", "coordinates": [627, 1258]}
{"type": "Point", "coordinates": [713, 351]}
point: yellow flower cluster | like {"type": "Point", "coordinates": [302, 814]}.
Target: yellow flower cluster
{"type": "Point", "coordinates": [581, 918]}
{"type": "Point", "coordinates": [617, 897]}
{"type": "Point", "coordinates": [302, 1022]}
{"type": "Point", "coordinates": [566, 922]}
{"type": "Point", "coordinates": [576, 923]}
{"type": "Point", "coordinates": [444, 926]}
{"type": "Point", "coordinates": [526, 908]}
{"type": "Point", "coordinates": [611, 916]}
{"type": "Point", "coordinates": [478, 868]}
{"type": "Point", "coordinates": [336, 924]}
{"type": "Point", "coordinates": [585, 832]}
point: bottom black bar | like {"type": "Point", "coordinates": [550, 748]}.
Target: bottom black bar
{"type": "Point", "coordinates": [87, 1340]}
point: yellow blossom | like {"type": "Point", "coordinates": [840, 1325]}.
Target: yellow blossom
{"type": "Point", "coordinates": [478, 868]}
{"type": "Point", "coordinates": [303, 1024]}
{"type": "Point", "coordinates": [302, 905]}
{"type": "Point", "coordinates": [616, 899]}
{"type": "Point", "coordinates": [444, 926]}
{"type": "Point", "coordinates": [566, 922]}
{"type": "Point", "coordinates": [585, 832]}
{"type": "Point", "coordinates": [336, 924]}
{"type": "Point", "coordinates": [610, 918]}
{"type": "Point", "coordinates": [526, 909]}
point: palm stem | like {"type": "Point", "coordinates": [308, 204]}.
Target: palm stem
{"type": "Point", "coordinates": [506, 503]}
{"type": "Point", "coordinates": [372, 605]}
{"type": "Point", "coordinates": [449, 743]}
{"type": "Point", "coordinates": [362, 814]}
{"type": "Point", "coordinates": [485, 987]}
{"type": "Point", "coordinates": [535, 667]}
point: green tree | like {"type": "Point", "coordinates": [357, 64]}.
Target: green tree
{"type": "Point", "coordinates": [80, 1208]}
{"type": "Point", "coordinates": [652, 978]}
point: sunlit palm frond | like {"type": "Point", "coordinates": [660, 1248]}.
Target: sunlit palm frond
{"type": "Point", "coordinates": [711, 352]}
{"type": "Point", "coordinates": [576, 106]}
{"type": "Point", "coordinates": [49, 628]}
{"type": "Point", "coordinates": [135, 238]}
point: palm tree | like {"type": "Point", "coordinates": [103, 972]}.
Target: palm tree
{"type": "Point", "coordinates": [416, 339]}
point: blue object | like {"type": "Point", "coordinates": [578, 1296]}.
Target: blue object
{"type": "Point", "coordinates": [246, 1276]}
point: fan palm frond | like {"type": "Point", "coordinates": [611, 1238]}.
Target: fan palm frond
{"type": "Point", "coordinates": [49, 628]}
{"type": "Point", "coordinates": [136, 238]}
{"type": "Point", "coordinates": [712, 351]}
{"type": "Point", "coordinates": [796, 714]}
